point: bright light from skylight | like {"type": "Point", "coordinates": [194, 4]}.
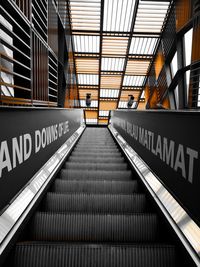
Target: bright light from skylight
{"type": "Point", "coordinates": [142, 95]}
{"type": "Point", "coordinates": [143, 45]}
{"type": "Point", "coordinates": [123, 104]}
{"type": "Point", "coordinates": [112, 64]}
{"type": "Point", "coordinates": [174, 65]}
{"type": "Point", "coordinates": [188, 46]}
{"type": "Point", "coordinates": [109, 93]}
{"type": "Point", "coordinates": [94, 104]}
{"type": "Point", "coordinates": [118, 15]}
{"type": "Point", "coordinates": [133, 80]}
{"type": "Point", "coordinates": [150, 16]}
{"type": "Point", "coordinates": [88, 79]}
{"type": "Point", "coordinates": [86, 44]}
{"type": "Point", "coordinates": [91, 121]}
{"type": "Point", "coordinates": [103, 113]}
{"type": "Point", "coordinates": [187, 82]}
{"type": "Point", "coordinates": [85, 15]}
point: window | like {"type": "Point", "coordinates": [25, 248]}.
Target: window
{"type": "Point", "coordinates": [188, 46]}
{"type": "Point", "coordinates": [187, 74]}
{"type": "Point", "coordinates": [176, 95]}
{"type": "Point", "coordinates": [7, 65]}
{"type": "Point", "coordinates": [174, 65]}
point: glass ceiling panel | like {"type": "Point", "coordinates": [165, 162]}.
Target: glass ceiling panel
{"type": "Point", "coordinates": [133, 80]}
{"type": "Point", "coordinates": [118, 15]}
{"type": "Point", "coordinates": [109, 93]}
{"type": "Point", "coordinates": [110, 81]}
{"type": "Point", "coordinates": [125, 94]}
{"type": "Point", "coordinates": [103, 121]}
{"type": "Point", "coordinates": [150, 16]}
{"type": "Point", "coordinates": [114, 46]}
{"type": "Point", "coordinates": [91, 121]}
{"type": "Point", "coordinates": [88, 79]}
{"type": "Point", "coordinates": [107, 45]}
{"type": "Point", "coordinates": [112, 64]}
{"type": "Point", "coordinates": [143, 45]}
{"type": "Point", "coordinates": [137, 67]}
{"type": "Point", "coordinates": [94, 104]}
{"type": "Point", "coordinates": [107, 105]}
{"type": "Point", "coordinates": [83, 92]}
{"type": "Point", "coordinates": [86, 43]}
{"type": "Point", "coordinates": [123, 104]}
{"type": "Point", "coordinates": [85, 65]}
{"type": "Point", "coordinates": [91, 114]}
{"type": "Point", "coordinates": [85, 15]}
{"type": "Point", "coordinates": [103, 113]}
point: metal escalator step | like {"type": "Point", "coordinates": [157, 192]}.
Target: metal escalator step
{"type": "Point", "coordinates": [83, 255]}
{"type": "Point", "coordinates": [75, 174]}
{"type": "Point", "coordinates": [100, 187]}
{"type": "Point", "coordinates": [100, 146]}
{"type": "Point", "coordinates": [96, 166]}
{"type": "Point", "coordinates": [94, 228]}
{"type": "Point", "coordinates": [97, 154]}
{"type": "Point", "coordinates": [92, 150]}
{"type": "Point", "coordinates": [94, 203]}
{"type": "Point", "coordinates": [96, 159]}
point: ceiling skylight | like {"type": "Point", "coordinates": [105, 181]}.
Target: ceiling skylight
{"type": "Point", "coordinates": [138, 67]}
{"type": "Point", "coordinates": [150, 16]}
{"type": "Point", "coordinates": [91, 121]}
{"type": "Point", "coordinates": [134, 80]}
{"type": "Point", "coordinates": [88, 79]}
{"type": "Point", "coordinates": [143, 45]}
{"type": "Point", "coordinates": [103, 113]}
{"type": "Point", "coordinates": [83, 92]}
{"type": "Point", "coordinates": [85, 65]}
{"type": "Point", "coordinates": [123, 104]}
{"type": "Point", "coordinates": [94, 104]}
{"type": "Point", "coordinates": [86, 43]}
{"type": "Point", "coordinates": [118, 15]}
{"type": "Point", "coordinates": [114, 46]}
{"type": "Point", "coordinates": [112, 64]}
{"type": "Point", "coordinates": [125, 94]}
{"type": "Point", "coordinates": [112, 55]}
{"type": "Point", "coordinates": [85, 15]}
{"type": "Point", "coordinates": [109, 93]}
{"type": "Point", "coordinates": [109, 81]}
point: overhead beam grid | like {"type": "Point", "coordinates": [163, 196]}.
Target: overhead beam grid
{"type": "Point", "coordinates": [114, 46]}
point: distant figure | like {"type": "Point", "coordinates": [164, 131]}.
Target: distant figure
{"type": "Point", "coordinates": [88, 100]}
{"type": "Point", "coordinates": [130, 101]}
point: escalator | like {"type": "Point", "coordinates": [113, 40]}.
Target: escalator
{"type": "Point", "coordinates": [94, 215]}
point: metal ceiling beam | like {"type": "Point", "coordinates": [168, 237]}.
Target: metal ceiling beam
{"type": "Point", "coordinates": [128, 47]}
{"type": "Point", "coordinates": [100, 53]}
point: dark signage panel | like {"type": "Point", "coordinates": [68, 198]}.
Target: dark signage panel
{"type": "Point", "coordinates": [169, 142]}
{"type": "Point", "coordinates": [28, 138]}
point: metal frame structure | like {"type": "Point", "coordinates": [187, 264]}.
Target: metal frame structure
{"type": "Point", "coordinates": [114, 44]}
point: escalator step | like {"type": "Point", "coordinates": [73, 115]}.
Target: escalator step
{"type": "Point", "coordinates": [86, 145]}
{"type": "Point", "coordinates": [94, 228]}
{"type": "Point", "coordinates": [96, 159]}
{"type": "Point", "coordinates": [94, 203]}
{"type": "Point", "coordinates": [95, 175]}
{"type": "Point", "coordinates": [99, 147]}
{"type": "Point", "coordinates": [91, 149]}
{"type": "Point", "coordinates": [97, 155]}
{"type": "Point", "coordinates": [77, 255]}
{"type": "Point", "coordinates": [100, 187]}
{"type": "Point", "coordinates": [96, 166]}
